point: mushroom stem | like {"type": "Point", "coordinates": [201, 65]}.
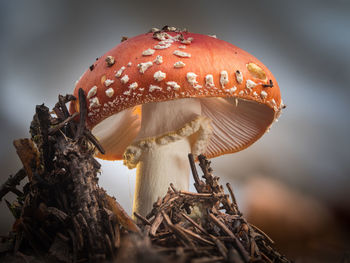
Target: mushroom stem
{"type": "Point", "coordinates": [159, 166]}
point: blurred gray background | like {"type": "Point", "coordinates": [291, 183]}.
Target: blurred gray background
{"type": "Point", "coordinates": [46, 45]}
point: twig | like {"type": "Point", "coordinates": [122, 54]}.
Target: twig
{"type": "Point", "coordinates": [177, 230]}
{"type": "Point", "coordinates": [194, 223]}
{"type": "Point", "coordinates": [262, 233]}
{"type": "Point", "coordinates": [61, 124]}
{"type": "Point", "coordinates": [201, 195]}
{"type": "Point", "coordinates": [94, 141]}
{"type": "Point", "coordinates": [143, 219]}
{"type": "Point", "coordinates": [234, 202]}
{"type": "Point", "coordinates": [211, 181]}
{"type": "Point", "coordinates": [156, 223]}
{"type": "Point", "coordinates": [238, 244]}
{"type": "Point", "coordinates": [12, 182]}
{"type": "Point", "coordinates": [173, 188]}
{"type": "Point", "coordinates": [231, 193]}
{"type": "Point", "coordinates": [266, 258]}
{"type": "Point", "coordinates": [221, 247]}
{"type": "Point", "coordinates": [83, 113]}
{"type": "Point", "coordinates": [198, 184]}
{"type": "Point", "coordinates": [196, 236]}
{"type": "Point", "coordinates": [43, 117]}
{"type": "Point", "coordinates": [62, 100]}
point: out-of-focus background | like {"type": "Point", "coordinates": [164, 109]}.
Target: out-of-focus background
{"type": "Point", "coordinates": [293, 183]}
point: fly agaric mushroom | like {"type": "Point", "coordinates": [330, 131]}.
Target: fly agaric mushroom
{"type": "Point", "coordinates": [156, 97]}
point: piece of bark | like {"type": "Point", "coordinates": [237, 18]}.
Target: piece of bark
{"type": "Point", "coordinates": [123, 218]}
{"type": "Point", "coordinates": [156, 223]}
{"type": "Point", "coordinates": [28, 154]}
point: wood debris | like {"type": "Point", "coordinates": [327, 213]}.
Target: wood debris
{"type": "Point", "coordinates": [205, 226]}
{"type": "Point", "coordinates": [62, 215]}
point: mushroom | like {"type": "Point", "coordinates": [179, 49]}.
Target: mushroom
{"type": "Point", "coordinates": [170, 93]}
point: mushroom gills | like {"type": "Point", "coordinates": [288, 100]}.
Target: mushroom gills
{"type": "Point", "coordinates": [161, 118]}
{"type": "Point", "coordinates": [234, 127]}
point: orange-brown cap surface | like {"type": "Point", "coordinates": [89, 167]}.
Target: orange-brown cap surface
{"type": "Point", "coordinates": [164, 65]}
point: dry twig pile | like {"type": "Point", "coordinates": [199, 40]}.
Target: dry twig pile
{"type": "Point", "coordinates": [205, 226]}
{"type": "Point", "coordinates": [62, 215]}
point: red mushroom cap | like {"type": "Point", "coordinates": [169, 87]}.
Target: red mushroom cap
{"type": "Point", "coordinates": [163, 66]}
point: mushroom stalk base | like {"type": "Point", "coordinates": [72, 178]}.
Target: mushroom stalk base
{"type": "Point", "coordinates": [159, 166]}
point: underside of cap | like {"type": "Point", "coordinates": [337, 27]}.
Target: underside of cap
{"type": "Point", "coordinates": [117, 132]}
{"type": "Point", "coordinates": [236, 123]}
{"type": "Point", "coordinates": [216, 126]}
{"type": "Point", "coordinates": [198, 130]}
